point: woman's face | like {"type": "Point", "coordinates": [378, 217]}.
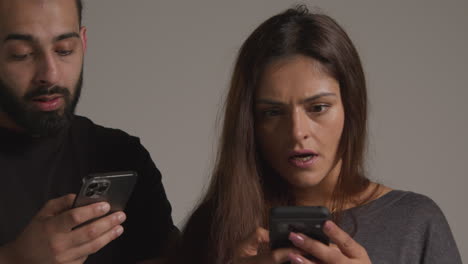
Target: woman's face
{"type": "Point", "coordinates": [299, 120]}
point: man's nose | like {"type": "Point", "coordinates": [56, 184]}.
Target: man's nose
{"type": "Point", "coordinates": [47, 72]}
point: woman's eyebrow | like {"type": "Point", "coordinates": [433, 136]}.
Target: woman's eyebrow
{"type": "Point", "coordinates": [306, 100]}
{"type": "Point", "coordinates": [317, 96]}
{"type": "Point", "coordinates": [268, 101]}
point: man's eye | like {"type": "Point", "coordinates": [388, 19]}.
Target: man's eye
{"type": "Point", "coordinates": [320, 108]}
{"type": "Point", "coordinates": [19, 56]}
{"type": "Point", "coordinates": [64, 52]}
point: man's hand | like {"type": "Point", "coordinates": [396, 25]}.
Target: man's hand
{"type": "Point", "coordinates": [49, 237]}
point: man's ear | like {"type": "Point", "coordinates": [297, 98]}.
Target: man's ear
{"type": "Point", "coordinates": [84, 37]}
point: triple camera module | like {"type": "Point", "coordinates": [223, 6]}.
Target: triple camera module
{"type": "Point", "coordinates": [97, 189]}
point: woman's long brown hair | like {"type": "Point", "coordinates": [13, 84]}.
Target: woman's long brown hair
{"type": "Point", "coordinates": [243, 187]}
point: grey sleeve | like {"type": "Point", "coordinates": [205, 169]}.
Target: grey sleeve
{"type": "Point", "coordinates": [439, 244]}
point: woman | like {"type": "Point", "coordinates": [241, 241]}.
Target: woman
{"type": "Point", "coordinates": [294, 134]}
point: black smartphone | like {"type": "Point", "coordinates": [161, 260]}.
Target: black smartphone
{"type": "Point", "coordinates": [113, 187]}
{"type": "Point", "coordinates": [308, 220]}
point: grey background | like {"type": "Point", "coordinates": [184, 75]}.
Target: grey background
{"type": "Point", "coordinates": [160, 70]}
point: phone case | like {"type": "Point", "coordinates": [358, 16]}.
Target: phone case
{"type": "Point", "coordinates": [307, 220]}
{"type": "Point", "coordinates": [114, 188]}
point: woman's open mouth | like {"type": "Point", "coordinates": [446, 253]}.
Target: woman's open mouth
{"type": "Point", "coordinates": [303, 158]}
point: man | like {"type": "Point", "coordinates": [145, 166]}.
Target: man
{"type": "Point", "coordinates": [45, 151]}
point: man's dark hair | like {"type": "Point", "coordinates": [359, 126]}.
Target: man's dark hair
{"type": "Point", "coordinates": [79, 7]}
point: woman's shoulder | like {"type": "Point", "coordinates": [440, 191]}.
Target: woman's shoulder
{"type": "Point", "coordinates": [425, 219]}
{"type": "Point", "coordinates": [400, 202]}
{"type": "Point", "coordinates": [410, 204]}
{"type": "Point", "coordinates": [413, 201]}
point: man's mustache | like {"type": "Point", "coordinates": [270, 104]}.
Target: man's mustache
{"type": "Point", "coordinates": [41, 91]}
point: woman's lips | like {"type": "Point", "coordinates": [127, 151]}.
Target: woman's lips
{"type": "Point", "coordinates": [48, 103]}
{"type": "Point", "coordinates": [303, 158]}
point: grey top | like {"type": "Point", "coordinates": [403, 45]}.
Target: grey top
{"type": "Point", "coordinates": [402, 227]}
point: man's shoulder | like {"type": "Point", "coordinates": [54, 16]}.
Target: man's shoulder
{"type": "Point", "coordinates": [84, 127]}
{"type": "Point", "coordinates": [106, 149]}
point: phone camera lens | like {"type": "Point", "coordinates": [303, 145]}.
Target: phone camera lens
{"type": "Point", "coordinates": [89, 193]}
{"type": "Point", "coordinates": [102, 188]}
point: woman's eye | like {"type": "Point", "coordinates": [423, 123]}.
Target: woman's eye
{"type": "Point", "coordinates": [64, 52]}
{"type": "Point", "coordinates": [320, 108]}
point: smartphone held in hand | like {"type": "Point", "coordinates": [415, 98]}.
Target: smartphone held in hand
{"type": "Point", "coordinates": [307, 220]}
{"type": "Point", "coordinates": [114, 188]}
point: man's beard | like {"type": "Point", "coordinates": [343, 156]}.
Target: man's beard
{"type": "Point", "coordinates": [35, 122]}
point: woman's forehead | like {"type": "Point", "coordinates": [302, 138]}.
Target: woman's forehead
{"type": "Point", "coordinates": [295, 76]}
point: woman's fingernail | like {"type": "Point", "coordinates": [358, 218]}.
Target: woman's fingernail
{"type": "Point", "coordinates": [296, 239]}
{"type": "Point", "coordinates": [295, 259]}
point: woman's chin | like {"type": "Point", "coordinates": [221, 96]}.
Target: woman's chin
{"type": "Point", "coordinates": [305, 180]}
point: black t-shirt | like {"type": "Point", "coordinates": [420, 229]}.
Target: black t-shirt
{"type": "Point", "coordinates": [35, 170]}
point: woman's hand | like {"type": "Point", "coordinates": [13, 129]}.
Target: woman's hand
{"type": "Point", "coordinates": [345, 249]}
{"type": "Point", "coordinates": [249, 251]}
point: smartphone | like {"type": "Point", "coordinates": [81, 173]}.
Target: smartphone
{"type": "Point", "coordinates": [113, 187]}
{"type": "Point", "coordinates": [308, 220]}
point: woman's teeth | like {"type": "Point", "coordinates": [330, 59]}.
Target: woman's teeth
{"type": "Point", "coordinates": [303, 158]}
